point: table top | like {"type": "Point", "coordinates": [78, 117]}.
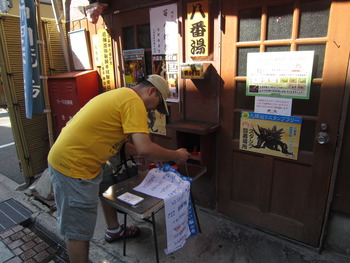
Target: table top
{"type": "Point", "coordinates": [141, 210]}
{"type": "Point", "coordinates": [149, 203]}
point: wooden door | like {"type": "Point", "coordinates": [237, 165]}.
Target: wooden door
{"type": "Point", "coordinates": [287, 197]}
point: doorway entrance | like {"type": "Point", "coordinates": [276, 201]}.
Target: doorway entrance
{"type": "Point", "coordinates": [284, 196]}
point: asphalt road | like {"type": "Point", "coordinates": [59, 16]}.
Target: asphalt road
{"type": "Point", "coordinates": [9, 163]}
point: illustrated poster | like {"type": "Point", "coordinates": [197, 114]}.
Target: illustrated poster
{"type": "Point", "coordinates": [270, 134]}
{"type": "Point", "coordinates": [156, 123]}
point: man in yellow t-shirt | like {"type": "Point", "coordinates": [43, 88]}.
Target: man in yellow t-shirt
{"type": "Point", "coordinates": [89, 139]}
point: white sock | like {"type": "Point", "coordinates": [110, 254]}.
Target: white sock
{"type": "Point", "coordinates": [114, 230]}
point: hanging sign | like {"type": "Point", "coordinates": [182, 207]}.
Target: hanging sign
{"type": "Point", "coordinates": [197, 30]}
{"type": "Point", "coordinates": [106, 60]}
{"type": "Point", "coordinates": [134, 66]}
{"type": "Point", "coordinates": [33, 93]}
{"type": "Point", "coordinates": [164, 29]}
{"type": "Point", "coordinates": [270, 134]}
{"type": "Point", "coordinates": [279, 74]}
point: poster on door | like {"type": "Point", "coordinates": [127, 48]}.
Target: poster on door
{"type": "Point", "coordinates": [134, 66]}
{"type": "Point", "coordinates": [269, 134]}
{"type": "Point", "coordinates": [279, 74]}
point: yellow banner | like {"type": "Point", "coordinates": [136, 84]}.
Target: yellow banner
{"type": "Point", "coordinates": [106, 60]}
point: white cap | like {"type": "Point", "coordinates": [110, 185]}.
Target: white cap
{"type": "Point", "coordinates": [163, 87]}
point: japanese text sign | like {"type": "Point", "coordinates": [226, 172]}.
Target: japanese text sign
{"type": "Point", "coordinates": [270, 134]}
{"type": "Point", "coordinates": [33, 93]}
{"type": "Point", "coordinates": [164, 29]}
{"type": "Point", "coordinates": [175, 191]}
{"type": "Point", "coordinates": [197, 28]}
{"type": "Point", "coordinates": [106, 59]}
{"type": "Point", "coordinates": [279, 74]}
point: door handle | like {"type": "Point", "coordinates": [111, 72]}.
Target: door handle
{"type": "Point", "coordinates": [322, 137]}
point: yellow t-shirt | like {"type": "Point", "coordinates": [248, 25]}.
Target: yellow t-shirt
{"type": "Point", "coordinates": [97, 132]}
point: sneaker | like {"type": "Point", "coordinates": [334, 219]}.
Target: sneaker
{"type": "Point", "coordinates": [131, 231]}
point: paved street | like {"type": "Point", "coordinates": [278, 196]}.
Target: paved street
{"type": "Point", "coordinates": [9, 164]}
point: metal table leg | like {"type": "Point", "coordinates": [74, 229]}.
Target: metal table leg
{"type": "Point", "coordinates": [124, 234]}
{"type": "Point", "coordinates": [155, 236]}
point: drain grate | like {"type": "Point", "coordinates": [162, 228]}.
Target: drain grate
{"type": "Point", "coordinates": [12, 213]}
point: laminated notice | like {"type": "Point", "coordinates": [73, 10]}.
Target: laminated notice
{"type": "Point", "coordinates": [130, 198]}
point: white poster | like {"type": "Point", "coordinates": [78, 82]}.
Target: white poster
{"type": "Point", "coordinates": [279, 74]}
{"type": "Point", "coordinates": [271, 105]}
{"type": "Point", "coordinates": [164, 29]}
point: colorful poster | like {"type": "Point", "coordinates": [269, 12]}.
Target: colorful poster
{"type": "Point", "coordinates": [197, 30]}
{"type": "Point", "coordinates": [271, 105]}
{"type": "Point", "coordinates": [164, 29]}
{"type": "Point", "coordinates": [270, 134]}
{"type": "Point", "coordinates": [134, 66]}
{"type": "Point", "coordinates": [279, 74]}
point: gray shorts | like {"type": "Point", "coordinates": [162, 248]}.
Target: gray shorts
{"type": "Point", "coordinates": [77, 201]}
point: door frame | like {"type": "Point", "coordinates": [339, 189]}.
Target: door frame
{"type": "Point", "coordinates": [335, 57]}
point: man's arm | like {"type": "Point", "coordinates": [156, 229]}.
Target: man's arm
{"type": "Point", "coordinates": [152, 151]}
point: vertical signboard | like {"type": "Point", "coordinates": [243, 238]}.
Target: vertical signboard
{"type": "Point", "coordinates": [197, 31]}
{"type": "Point", "coordinates": [106, 60]}
{"type": "Point", "coordinates": [34, 95]}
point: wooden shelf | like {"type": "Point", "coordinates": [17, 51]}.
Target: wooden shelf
{"type": "Point", "coordinates": [195, 127]}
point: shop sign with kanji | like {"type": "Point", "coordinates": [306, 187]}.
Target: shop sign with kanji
{"type": "Point", "coordinates": [106, 59]}
{"type": "Point", "coordinates": [197, 28]}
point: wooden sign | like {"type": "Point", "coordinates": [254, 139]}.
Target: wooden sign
{"type": "Point", "coordinates": [106, 60]}
{"type": "Point", "coordinates": [197, 30]}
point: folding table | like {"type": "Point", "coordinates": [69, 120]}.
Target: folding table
{"type": "Point", "coordinates": [147, 208]}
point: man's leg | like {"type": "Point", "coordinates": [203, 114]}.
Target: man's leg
{"type": "Point", "coordinates": [114, 230]}
{"type": "Point", "coordinates": [110, 214]}
{"type": "Point", "coordinates": [78, 251]}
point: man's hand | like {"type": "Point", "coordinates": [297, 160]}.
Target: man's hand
{"type": "Point", "coordinates": [182, 155]}
{"type": "Point", "coordinates": [152, 151]}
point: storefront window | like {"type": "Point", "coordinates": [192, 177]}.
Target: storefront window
{"type": "Point", "coordinates": [242, 59]}
{"type": "Point", "coordinates": [277, 48]}
{"type": "Point", "coordinates": [249, 25]}
{"type": "Point", "coordinates": [314, 19]}
{"type": "Point", "coordinates": [318, 58]}
{"type": "Point", "coordinates": [144, 36]}
{"type": "Point", "coordinates": [128, 38]}
{"type": "Point", "coordinates": [280, 20]}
